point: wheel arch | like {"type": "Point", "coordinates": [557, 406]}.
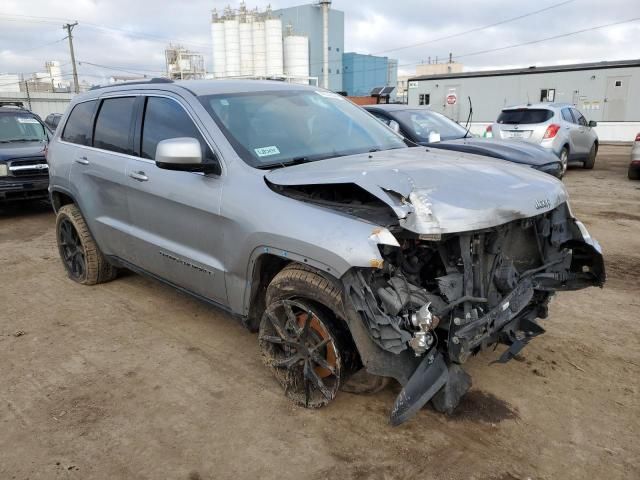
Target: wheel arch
{"type": "Point", "coordinates": [60, 198]}
{"type": "Point", "coordinates": [263, 268]}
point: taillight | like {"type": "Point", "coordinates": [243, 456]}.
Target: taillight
{"type": "Point", "coordinates": [552, 131]}
{"type": "Point", "coordinates": [638, 137]}
{"type": "Point", "coordinates": [489, 131]}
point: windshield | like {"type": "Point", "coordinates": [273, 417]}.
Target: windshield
{"type": "Point", "coordinates": [20, 128]}
{"type": "Point", "coordinates": [525, 116]}
{"type": "Point", "coordinates": [422, 122]}
{"type": "Point", "coordinates": [276, 128]}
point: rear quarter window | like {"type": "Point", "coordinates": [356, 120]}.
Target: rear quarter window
{"type": "Point", "coordinates": [79, 125]}
{"type": "Point", "coordinates": [525, 116]}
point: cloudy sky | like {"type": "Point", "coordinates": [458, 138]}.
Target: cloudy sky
{"type": "Point", "coordinates": [130, 35]}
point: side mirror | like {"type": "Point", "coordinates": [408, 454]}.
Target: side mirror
{"type": "Point", "coordinates": [183, 154]}
{"type": "Point", "coordinates": [395, 126]}
{"type": "Point", "coordinates": [434, 137]}
{"type": "Point", "coordinates": [593, 123]}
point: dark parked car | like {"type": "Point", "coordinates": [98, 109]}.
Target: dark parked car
{"type": "Point", "coordinates": [52, 121]}
{"type": "Point", "coordinates": [425, 127]}
{"type": "Point", "coordinates": [24, 173]}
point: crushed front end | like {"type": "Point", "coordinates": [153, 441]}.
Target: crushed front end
{"type": "Point", "coordinates": [437, 299]}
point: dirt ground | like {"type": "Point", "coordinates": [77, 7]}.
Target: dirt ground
{"type": "Point", "coordinates": [132, 379]}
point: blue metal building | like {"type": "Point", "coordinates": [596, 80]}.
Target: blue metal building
{"type": "Point", "coordinates": [362, 73]}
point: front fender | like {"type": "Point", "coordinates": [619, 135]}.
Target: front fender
{"type": "Point", "coordinates": [355, 245]}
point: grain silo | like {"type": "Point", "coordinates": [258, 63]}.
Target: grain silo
{"type": "Point", "coordinates": [217, 37]}
{"type": "Point", "coordinates": [259, 47]}
{"type": "Point", "coordinates": [231, 44]}
{"type": "Point", "coordinates": [246, 42]}
{"type": "Point", "coordinates": [273, 40]}
{"type": "Point", "coordinates": [296, 56]}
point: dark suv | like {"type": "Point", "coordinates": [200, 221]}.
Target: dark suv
{"type": "Point", "coordinates": [24, 173]}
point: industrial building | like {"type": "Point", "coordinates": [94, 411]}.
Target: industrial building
{"type": "Point", "coordinates": [428, 68]}
{"type": "Point", "coordinates": [183, 64]}
{"type": "Point", "coordinates": [285, 44]}
{"type": "Point", "coordinates": [322, 25]}
{"type": "Point", "coordinates": [50, 81]}
{"type": "Point", "coordinates": [362, 73]}
{"type": "Point", "coordinates": [607, 92]}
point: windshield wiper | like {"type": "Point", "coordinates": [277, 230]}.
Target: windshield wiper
{"type": "Point", "coordinates": [20, 140]}
{"type": "Point", "coordinates": [287, 163]}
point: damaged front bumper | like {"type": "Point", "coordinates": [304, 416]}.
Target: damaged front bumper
{"type": "Point", "coordinates": [433, 304]}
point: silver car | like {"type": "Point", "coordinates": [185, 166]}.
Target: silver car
{"type": "Point", "coordinates": [316, 225]}
{"type": "Point", "coordinates": [558, 127]}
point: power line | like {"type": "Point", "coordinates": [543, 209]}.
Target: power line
{"type": "Point", "coordinates": [38, 46]}
{"type": "Point", "coordinates": [554, 37]}
{"type": "Point", "coordinates": [477, 29]}
{"type": "Point", "coordinates": [54, 20]}
{"type": "Point", "coordinates": [121, 69]}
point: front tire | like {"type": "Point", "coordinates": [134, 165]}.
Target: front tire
{"type": "Point", "coordinates": [80, 255]}
{"type": "Point", "coordinates": [590, 162]}
{"type": "Point", "coordinates": [303, 342]}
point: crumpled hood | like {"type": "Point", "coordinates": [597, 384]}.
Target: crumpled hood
{"type": "Point", "coordinates": [513, 151]}
{"type": "Point", "coordinates": [436, 191]}
{"type": "Point", "coordinates": [21, 150]}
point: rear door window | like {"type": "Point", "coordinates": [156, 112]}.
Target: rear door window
{"type": "Point", "coordinates": [524, 116]}
{"type": "Point", "coordinates": [566, 115]}
{"type": "Point", "coordinates": [114, 125]}
{"type": "Point", "coordinates": [164, 119]}
{"type": "Point", "coordinates": [79, 125]}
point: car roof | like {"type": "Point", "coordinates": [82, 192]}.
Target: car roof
{"type": "Point", "coordinates": [544, 105]}
{"type": "Point", "coordinates": [14, 110]}
{"type": "Point", "coordinates": [199, 87]}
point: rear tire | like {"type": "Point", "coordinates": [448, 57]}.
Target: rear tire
{"type": "Point", "coordinates": [80, 255]}
{"type": "Point", "coordinates": [590, 162]}
{"type": "Point", "coordinates": [633, 173]}
{"type": "Point", "coordinates": [299, 296]}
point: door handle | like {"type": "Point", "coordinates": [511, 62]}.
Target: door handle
{"type": "Point", "coordinates": [139, 176]}
{"type": "Point", "coordinates": [82, 160]}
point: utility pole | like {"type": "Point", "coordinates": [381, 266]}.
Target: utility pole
{"type": "Point", "coordinates": [26, 88]}
{"type": "Point", "coordinates": [325, 5]}
{"type": "Point", "coordinates": [69, 28]}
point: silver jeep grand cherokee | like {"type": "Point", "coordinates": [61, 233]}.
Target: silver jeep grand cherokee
{"type": "Point", "coordinates": [315, 224]}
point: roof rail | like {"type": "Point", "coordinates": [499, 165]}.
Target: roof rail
{"type": "Point", "coordinates": [141, 82]}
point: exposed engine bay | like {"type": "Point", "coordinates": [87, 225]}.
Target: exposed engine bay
{"type": "Point", "coordinates": [456, 295]}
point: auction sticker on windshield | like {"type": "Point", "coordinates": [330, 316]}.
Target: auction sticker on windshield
{"type": "Point", "coordinates": [266, 151]}
{"type": "Point", "coordinates": [26, 120]}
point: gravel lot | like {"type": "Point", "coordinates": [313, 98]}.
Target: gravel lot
{"type": "Point", "coordinates": [134, 380]}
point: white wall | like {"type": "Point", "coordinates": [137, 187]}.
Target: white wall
{"type": "Point", "coordinates": [586, 89]}
{"type": "Point", "coordinates": [41, 103]}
